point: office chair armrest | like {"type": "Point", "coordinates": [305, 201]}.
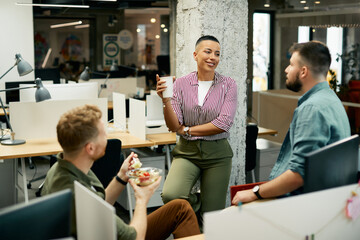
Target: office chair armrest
{"type": "Point", "coordinates": [234, 189]}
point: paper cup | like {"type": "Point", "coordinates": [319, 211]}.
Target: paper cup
{"type": "Point", "coordinates": [169, 86]}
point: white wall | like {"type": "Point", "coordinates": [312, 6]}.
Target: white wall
{"type": "Point", "coordinates": [16, 28]}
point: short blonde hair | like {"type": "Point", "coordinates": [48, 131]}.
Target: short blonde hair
{"type": "Point", "coordinates": [77, 127]}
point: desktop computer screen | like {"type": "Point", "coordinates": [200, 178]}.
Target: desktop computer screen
{"type": "Point", "coordinates": [52, 74]}
{"type": "Point", "coordinates": [331, 166]}
{"type": "Point", "coordinates": [47, 217]}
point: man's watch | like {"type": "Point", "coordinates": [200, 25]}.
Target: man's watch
{"type": "Point", "coordinates": [256, 191]}
{"type": "Point", "coordinates": [187, 131]}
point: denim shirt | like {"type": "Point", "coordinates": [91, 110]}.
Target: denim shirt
{"type": "Point", "coordinates": [319, 120]}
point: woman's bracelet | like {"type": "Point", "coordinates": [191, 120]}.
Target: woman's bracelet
{"type": "Point", "coordinates": [164, 103]}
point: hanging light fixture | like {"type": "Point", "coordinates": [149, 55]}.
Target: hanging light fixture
{"type": "Point", "coordinates": [267, 3]}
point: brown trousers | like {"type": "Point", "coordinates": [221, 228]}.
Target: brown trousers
{"type": "Point", "coordinates": [176, 217]}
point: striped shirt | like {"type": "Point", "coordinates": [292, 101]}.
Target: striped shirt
{"type": "Point", "coordinates": [219, 105]}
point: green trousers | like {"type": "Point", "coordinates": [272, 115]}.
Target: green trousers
{"type": "Point", "coordinates": [209, 161]}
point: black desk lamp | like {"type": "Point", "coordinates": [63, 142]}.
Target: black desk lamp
{"type": "Point", "coordinates": [85, 75]}
{"type": "Point", "coordinates": [41, 94]}
{"type": "Point", "coordinates": [115, 67]}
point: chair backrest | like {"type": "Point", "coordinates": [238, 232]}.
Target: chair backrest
{"type": "Point", "coordinates": [107, 166]}
{"type": "Point", "coordinates": [333, 165]}
{"type": "Point", "coordinates": [250, 153]}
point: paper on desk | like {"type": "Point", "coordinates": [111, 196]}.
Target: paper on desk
{"type": "Point", "coordinates": [155, 123]}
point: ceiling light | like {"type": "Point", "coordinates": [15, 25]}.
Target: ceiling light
{"type": "Point", "coordinates": [138, 30]}
{"type": "Point", "coordinates": [153, 20]}
{"type": "Point", "coordinates": [303, 2]}
{"type": "Point", "coordinates": [267, 3]}
{"type": "Point", "coordinates": [165, 30]}
{"type": "Point", "coordinates": [52, 5]}
{"type": "Point", "coordinates": [82, 26]}
{"type": "Point", "coordinates": [157, 36]}
{"type": "Point", "coordinates": [162, 25]}
{"type": "Point", "coordinates": [65, 24]}
{"type": "Point", "coordinates": [317, 2]}
{"type": "Point", "coordinates": [306, 7]}
{"type": "Point", "coordinates": [46, 58]}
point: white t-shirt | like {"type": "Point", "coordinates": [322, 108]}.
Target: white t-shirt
{"type": "Point", "coordinates": [204, 87]}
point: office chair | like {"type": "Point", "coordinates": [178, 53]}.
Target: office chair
{"type": "Point", "coordinates": [108, 166]}
{"type": "Point", "coordinates": [250, 151]}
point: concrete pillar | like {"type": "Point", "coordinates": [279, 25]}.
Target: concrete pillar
{"type": "Point", "coordinates": [227, 20]}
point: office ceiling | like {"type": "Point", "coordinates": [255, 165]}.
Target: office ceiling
{"type": "Point", "coordinates": [96, 6]}
{"type": "Point", "coordinates": [109, 4]}
{"type": "Point", "coordinates": [288, 6]}
{"type": "Point", "coordinates": [280, 6]}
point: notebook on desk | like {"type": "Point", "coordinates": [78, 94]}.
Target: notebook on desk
{"type": "Point", "coordinates": [95, 218]}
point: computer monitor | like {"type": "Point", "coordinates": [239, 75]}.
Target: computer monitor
{"type": "Point", "coordinates": [331, 166]}
{"type": "Point", "coordinates": [47, 217]}
{"type": "Point", "coordinates": [95, 218]}
{"type": "Point", "coordinates": [52, 74]}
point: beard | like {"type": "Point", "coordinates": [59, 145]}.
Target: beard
{"type": "Point", "coordinates": [296, 85]}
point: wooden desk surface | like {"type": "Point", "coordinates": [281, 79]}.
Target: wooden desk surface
{"type": "Point", "coordinates": [42, 147]}
{"type": "Point", "coordinates": [2, 112]}
{"type": "Point", "coordinates": [266, 131]}
{"type": "Point", "coordinates": [162, 138]}
{"type": "Point", "coordinates": [110, 105]}
{"type": "Point", "coordinates": [195, 237]}
{"type": "Point", "coordinates": [170, 138]}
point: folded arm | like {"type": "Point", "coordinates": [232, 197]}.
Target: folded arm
{"type": "Point", "coordinates": [285, 183]}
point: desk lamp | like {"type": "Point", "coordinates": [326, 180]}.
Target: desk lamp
{"type": "Point", "coordinates": [85, 75]}
{"type": "Point", "coordinates": [41, 94]}
{"type": "Point", "coordinates": [23, 66]}
{"type": "Point", "coordinates": [114, 67]}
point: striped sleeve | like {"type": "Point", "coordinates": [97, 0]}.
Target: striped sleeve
{"type": "Point", "coordinates": [226, 116]}
{"type": "Point", "coordinates": [176, 102]}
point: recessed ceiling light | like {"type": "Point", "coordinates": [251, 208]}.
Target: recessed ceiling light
{"type": "Point", "coordinates": [52, 5]}
{"type": "Point", "coordinates": [302, 1]}
{"type": "Point", "coordinates": [165, 30]}
{"type": "Point", "coordinates": [82, 26]}
{"type": "Point", "coordinates": [138, 30]}
{"type": "Point", "coordinates": [66, 24]}
{"type": "Point", "coordinates": [266, 5]}
{"type": "Point", "coordinates": [317, 2]}
{"type": "Point", "coordinates": [306, 7]}
{"type": "Point", "coordinates": [157, 36]}
{"type": "Point", "coordinates": [162, 25]}
{"type": "Point", "coordinates": [153, 20]}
